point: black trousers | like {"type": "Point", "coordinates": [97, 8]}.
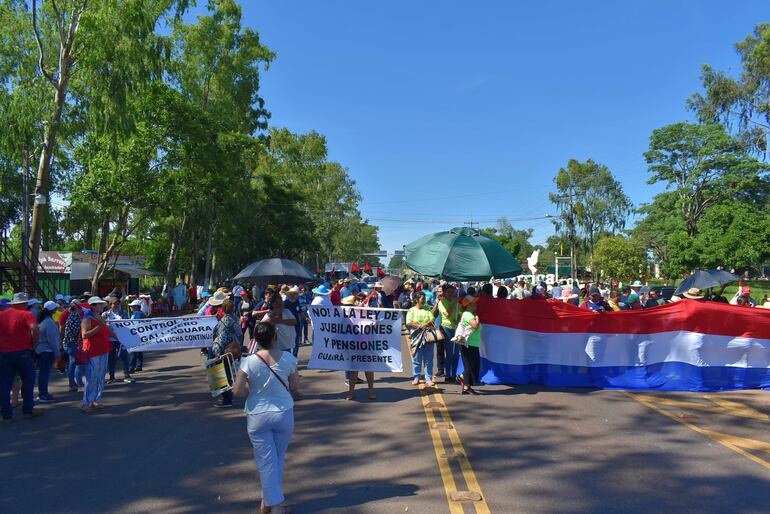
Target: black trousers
{"type": "Point", "coordinates": [471, 364]}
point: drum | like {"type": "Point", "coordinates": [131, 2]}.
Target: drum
{"type": "Point", "coordinates": [219, 375]}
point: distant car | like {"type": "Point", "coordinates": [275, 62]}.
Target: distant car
{"type": "Point", "coordinates": [665, 292]}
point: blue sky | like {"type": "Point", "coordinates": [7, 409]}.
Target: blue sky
{"type": "Point", "coordinates": [445, 112]}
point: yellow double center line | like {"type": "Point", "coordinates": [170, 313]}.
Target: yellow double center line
{"type": "Point", "coordinates": [443, 454]}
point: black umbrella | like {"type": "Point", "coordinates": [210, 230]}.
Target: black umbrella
{"type": "Point", "coordinates": [275, 270]}
{"type": "Point", "coordinates": [706, 279]}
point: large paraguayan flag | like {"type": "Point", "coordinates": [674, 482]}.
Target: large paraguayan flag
{"type": "Point", "coordinates": [683, 346]}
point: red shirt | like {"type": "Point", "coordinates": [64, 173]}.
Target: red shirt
{"type": "Point", "coordinates": [16, 330]}
{"type": "Point", "coordinates": [99, 343]}
{"type": "Point", "coordinates": [335, 296]}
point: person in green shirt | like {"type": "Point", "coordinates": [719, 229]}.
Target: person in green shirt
{"type": "Point", "coordinates": [447, 352]}
{"type": "Point", "coordinates": [470, 352]}
{"type": "Point", "coordinates": [420, 317]}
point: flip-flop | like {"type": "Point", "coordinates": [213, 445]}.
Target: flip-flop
{"type": "Point", "coordinates": [85, 408]}
{"type": "Point", "coordinates": [349, 397]}
{"type": "Point", "coordinates": [372, 396]}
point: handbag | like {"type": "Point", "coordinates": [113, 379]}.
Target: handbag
{"type": "Point", "coordinates": [273, 371]}
{"type": "Point", "coordinates": [432, 335]}
{"type": "Point", "coordinates": [81, 356]}
{"type": "Point", "coordinates": [233, 348]}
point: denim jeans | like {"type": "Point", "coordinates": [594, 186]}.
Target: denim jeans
{"type": "Point", "coordinates": [451, 353]}
{"type": "Point", "coordinates": [46, 365]}
{"type": "Point", "coordinates": [95, 374]}
{"type": "Point", "coordinates": [424, 354]}
{"type": "Point", "coordinates": [137, 361]}
{"type": "Point", "coordinates": [11, 364]}
{"type": "Point", "coordinates": [118, 352]}
{"type": "Point", "coordinates": [75, 372]}
{"type": "Point", "coordinates": [297, 341]}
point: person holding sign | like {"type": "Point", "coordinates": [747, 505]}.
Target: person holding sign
{"type": "Point", "coordinates": [96, 344]}
{"type": "Point", "coordinates": [420, 318]}
{"type": "Point", "coordinates": [267, 376]}
{"type": "Point", "coordinates": [352, 376]}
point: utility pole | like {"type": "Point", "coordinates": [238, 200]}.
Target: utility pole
{"type": "Point", "coordinates": [471, 223]}
{"type": "Point", "coordinates": [572, 235]}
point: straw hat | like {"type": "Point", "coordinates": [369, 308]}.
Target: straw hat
{"type": "Point", "coordinates": [218, 298]}
{"type": "Point", "coordinates": [349, 300]}
{"type": "Point", "coordinates": [378, 285]}
{"type": "Point", "coordinates": [468, 300]}
{"type": "Point", "coordinates": [693, 294]}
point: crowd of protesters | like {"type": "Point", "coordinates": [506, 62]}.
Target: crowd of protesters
{"type": "Point", "coordinates": [264, 329]}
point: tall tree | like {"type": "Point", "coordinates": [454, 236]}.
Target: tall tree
{"type": "Point", "coordinates": [702, 163]}
{"type": "Point", "coordinates": [742, 104]}
{"type": "Point", "coordinates": [62, 22]}
{"type": "Point", "coordinates": [591, 202]}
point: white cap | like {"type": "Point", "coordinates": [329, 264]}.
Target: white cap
{"type": "Point", "coordinates": [94, 300]}
{"type": "Point", "coordinates": [136, 303]}
{"type": "Point", "coordinates": [58, 297]}
{"type": "Point", "coordinates": [50, 306]}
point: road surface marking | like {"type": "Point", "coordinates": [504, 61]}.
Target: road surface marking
{"type": "Point", "coordinates": [718, 406]}
{"type": "Point", "coordinates": [459, 452]}
{"type": "Point", "coordinates": [438, 448]}
{"type": "Point", "coordinates": [734, 443]}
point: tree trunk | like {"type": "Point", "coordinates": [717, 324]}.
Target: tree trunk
{"type": "Point", "coordinates": [194, 267]}
{"type": "Point", "coordinates": [211, 282]}
{"type": "Point", "coordinates": [207, 272]}
{"type": "Point", "coordinates": [173, 254]}
{"type": "Point", "coordinates": [102, 257]}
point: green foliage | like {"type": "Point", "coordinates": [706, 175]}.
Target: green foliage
{"type": "Point", "coordinates": [162, 145]}
{"type": "Point", "coordinates": [591, 202]}
{"type": "Point", "coordinates": [702, 163]}
{"type": "Point", "coordinates": [516, 241]}
{"type": "Point", "coordinates": [620, 257]}
{"type": "Point", "coordinates": [741, 103]}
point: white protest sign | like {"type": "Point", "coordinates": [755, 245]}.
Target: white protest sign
{"type": "Point", "coordinates": [155, 334]}
{"type": "Point", "coordinates": [355, 339]}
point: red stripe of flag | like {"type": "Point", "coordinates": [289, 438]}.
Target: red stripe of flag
{"type": "Point", "coordinates": [554, 316]}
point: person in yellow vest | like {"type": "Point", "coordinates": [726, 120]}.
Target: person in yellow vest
{"type": "Point", "coordinates": [447, 352]}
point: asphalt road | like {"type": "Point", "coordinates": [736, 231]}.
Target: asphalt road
{"type": "Point", "coordinates": [160, 446]}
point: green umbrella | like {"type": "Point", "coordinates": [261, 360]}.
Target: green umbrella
{"type": "Point", "coordinates": [460, 254]}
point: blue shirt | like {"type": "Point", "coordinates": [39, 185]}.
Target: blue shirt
{"type": "Point", "coordinates": [49, 337]}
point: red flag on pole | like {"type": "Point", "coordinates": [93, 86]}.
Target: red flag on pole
{"type": "Point", "coordinates": [354, 268]}
{"type": "Point", "coordinates": [380, 273]}
{"type": "Point", "coordinates": [367, 268]}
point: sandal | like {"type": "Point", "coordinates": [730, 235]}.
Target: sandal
{"type": "Point", "coordinates": [349, 397]}
{"type": "Point", "coordinates": [372, 395]}
{"type": "Point", "coordinates": [429, 383]}
{"type": "Point", "coordinates": [85, 408]}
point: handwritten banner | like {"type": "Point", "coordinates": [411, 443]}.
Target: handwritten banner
{"type": "Point", "coordinates": [156, 334]}
{"type": "Point", "coordinates": [356, 339]}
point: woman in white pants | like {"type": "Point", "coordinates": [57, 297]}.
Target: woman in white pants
{"type": "Point", "coordinates": [269, 376]}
